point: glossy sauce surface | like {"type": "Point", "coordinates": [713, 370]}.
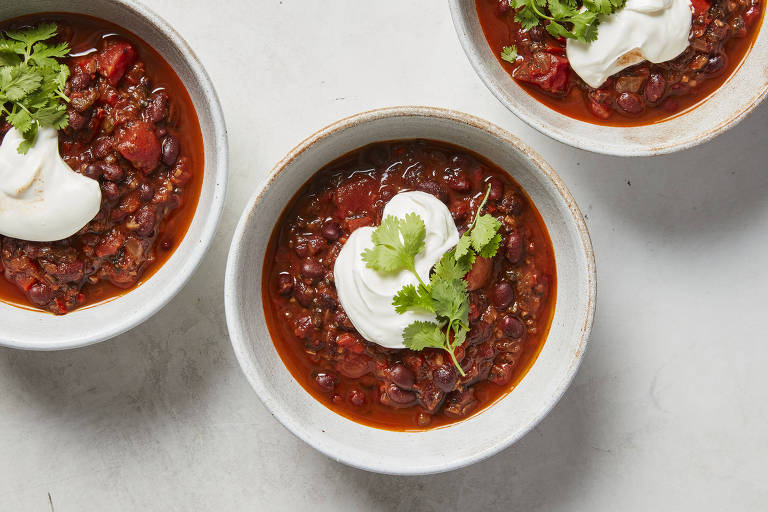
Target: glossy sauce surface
{"type": "Point", "coordinates": [86, 35]}
{"type": "Point", "coordinates": [397, 389]}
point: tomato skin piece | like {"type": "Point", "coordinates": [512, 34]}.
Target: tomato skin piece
{"type": "Point", "coordinates": [114, 60]}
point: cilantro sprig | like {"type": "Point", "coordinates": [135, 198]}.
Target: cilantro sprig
{"type": "Point", "coordinates": [566, 18]}
{"type": "Point", "coordinates": [397, 242]}
{"type": "Point", "coordinates": [32, 81]}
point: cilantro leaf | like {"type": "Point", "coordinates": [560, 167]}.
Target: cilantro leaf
{"type": "Point", "coordinates": [390, 252]}
{"type": "Point", "coordinates": [449, 268]}
{"type": "Point", "coordinates": [420, 335]}
{"type": "Point", "coordinates": [491, 248]}
{"type": "Point", "coordinates": [32, 81]}
{"type": "Point", "coordinates": [509, 54]}
{"type": "Point", "coordinates": [485, 229]}
{"type": "Point", "coordinates": [411, 298]}
{"type": "Point", "coordinates": [564, 18]}
{"type": "Point", "coordinates": [451, 300]}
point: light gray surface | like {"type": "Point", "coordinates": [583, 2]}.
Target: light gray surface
{"type": "Point", "coordinates": [668, 411]}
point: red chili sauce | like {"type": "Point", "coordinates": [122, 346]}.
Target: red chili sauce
{"type": "Point", "coordinates": [512, 295]}
{"type": "Point", "coordinates": [132, 127]}
{"type": "Point", "coordinates": [722, 33]}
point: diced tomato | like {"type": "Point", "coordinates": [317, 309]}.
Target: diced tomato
{"type": "Point", "coordinates": [114, 60]}
{"type": "Point", "coordinates": [700, 6]}
{"type": "Point", "coordinates": [139, 144]}
{"type": "Point", "coordinates": [547, 71]}
{"type": "Point", "coordinates": [356, 195]}
{"type": "Point", "coordinates": [350, 343]}
{"type": "Point", "coordinates": [87, 63]}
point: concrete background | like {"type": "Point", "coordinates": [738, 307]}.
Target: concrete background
{"type": "Point", "coordinates": [668, 411]}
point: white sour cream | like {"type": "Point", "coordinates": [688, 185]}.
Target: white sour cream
{"type": "Point", "coordinates": [41, 198]}
{"type": "Point", "coordinates": [366, 295]}
{"type": "Point", "coordinates": [653, 30]}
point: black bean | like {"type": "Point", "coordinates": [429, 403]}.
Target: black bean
{"type": "Point", "coordinates": [497, 188]}
{"type": "Point", "coordinates": [158, 107]}
{"type": "Point", "coordinates": [512, 326]}
{"type": "Point", "coordinates": [146, 219]}
{"type": "Point", "coordinates": [445, 378]}
{"type": "Point", "coordinates": [303, 294]}
{"type": "Point", "coordinates": [655, 87]}
{"type": "Point", "coordinates": [630, 103]}
{"type": "Point", "coordinates": [402, 376]}
{"type": "Point", "coordinates": [502, 296]}
{"type": "Point", "coordinates": [79, 81]}
{"type": "Point", "coordinates": [312, 269]}
{"type": "Point", "coordinates": [326, 381]}
{"type": "Point", "coordinates": [113, 172]}
{"type": "Point", "coordinates": [93, 171]}
{"type": "Point", "coordinates": [715, 64]}
{"type": "Point", "coordinates": [400, 396]}
{"type": "Point", "coordinates": [77, 121]}
{"type": "Point", "coordinates": [110, 190]}
{"type": "Point", "coordinates": [331, 230]}
{"type": "Point", "coordinates": [170, 150]}
{"type": "Point", "coordinates": [356, 397]}
{"type": "Point", "coordinates": [145, 192]}
{"type": "Point", "coordinates": [285, 284]}
{"type": "Point", "coordinates": [40, 293]}
{"type": "Point", "coordinates": [513, 247]}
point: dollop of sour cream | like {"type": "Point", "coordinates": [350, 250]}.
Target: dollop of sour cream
{"type": "Point", "coordinates": [366, 295]}
{"type": "Point", "coordinates": [653, 30]}
{"type": "Point", "coordinates": [41, 198]}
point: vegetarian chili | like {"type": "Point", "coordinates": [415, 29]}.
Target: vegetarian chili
{"type": "Point", "coordinates": [722, 33]}
{"type": "Point", "coordinates": [132, 127]}
{"type": "Point", "coordinates": [512, 296]}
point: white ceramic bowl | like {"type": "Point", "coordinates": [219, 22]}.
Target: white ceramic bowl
{"type": "Point", "coordinates": [739, 96]}
{"type": "Point", "coordinates": [41, 331]}
{"type": "Point", "coordinates": [462, 443]}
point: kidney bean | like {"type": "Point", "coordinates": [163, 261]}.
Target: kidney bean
{"type": "Point", "coordinates": [445, 378]}
{"type": "Point", "coordinates": [655, 87]}
{"type": "Point", "coordinates": [502, 296]}
{"type": "Point", "coordinates": [312, 269]}
{"type": "Point", "coordinates": [326, 381]}
{"type": "Point", "coordinates": [402, 376]}
{"type": "Point", "coordinates": [630, 103]}
{"type": "Point", "coordinates": [512, 203]}
{"type": "Point", "coordinates": [514, 248]}
{"type": "Point", "coordinates": [170, 149]}
{"type": "Point", "coordinates": [285, 284]}
{"type": "Point", "coordinates": [331, 230]}
{"type": "Point", "coordinates": [79, 80]}
{"type": "Point", "coordinates": [343, 322]}
{"type": "Point", "coordinates": [157, 110]}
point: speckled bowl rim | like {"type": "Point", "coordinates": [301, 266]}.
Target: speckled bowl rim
{"type": "Point", "coordinates": [164, 295]}
{"type": "Point", "coordinates": [483, 71]}
{"type": "Point", "coordinates": [237, 258]}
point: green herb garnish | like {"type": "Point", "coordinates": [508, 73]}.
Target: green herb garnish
{"type": "Point", "coordinates": [32, 81]}
{"type": "Point", "coordinates": [566, 17]}
{"type": "Point", "coordinates": [509, 53]}
{"type": "Point", "coordinates": [396, 244]}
